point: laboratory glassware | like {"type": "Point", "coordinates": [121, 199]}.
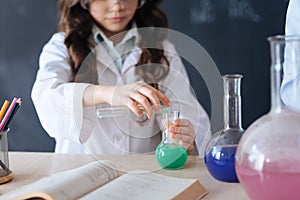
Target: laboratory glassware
{"type": "Point", "coordinates": [169, 153]}
{"type": "Point", "coordinates": [267, 158]}
{"type": "Point", "coordinates": [220, 151]}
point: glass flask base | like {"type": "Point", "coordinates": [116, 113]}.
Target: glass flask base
{"type": "Point", "coordinates": [171, 155]}
{"type": "Point", "coordinates": [271, 183]}
{"type": "Point", "coordinates": [220, 162]}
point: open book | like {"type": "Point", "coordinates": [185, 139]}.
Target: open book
{"type": "Point", "coordinates": [100, 180]}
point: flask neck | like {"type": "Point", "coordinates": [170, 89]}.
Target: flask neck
{"type": "Point", "coordinates": [277, 53]}
{"type": "Point", "coordinates": [166, 137]}
{"type": "Point", "coordinates": [232, 101]}
{"type": "Point", "coordinates": [276, 104]}
{"type": "Point", "coordinates": [168, 120]}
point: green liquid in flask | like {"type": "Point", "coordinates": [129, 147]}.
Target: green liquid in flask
{"type": "Point", "coordinates": [171, 155]}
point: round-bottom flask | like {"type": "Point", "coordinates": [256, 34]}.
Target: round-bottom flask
{"type": "Point", "coordinates": [169, 153]}
{"type": "Point", "coordinates": [220, 151]}
{"type": "Point", "coordinates": [267, 158]}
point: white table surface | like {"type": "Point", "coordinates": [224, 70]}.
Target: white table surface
{"type": "Point", "coordinates": [31, 166]}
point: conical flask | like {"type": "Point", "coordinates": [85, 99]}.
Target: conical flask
{"type": "Point", "coordinates": [267, 158]}
{"type": "Point", "coordinates": [220, 151]}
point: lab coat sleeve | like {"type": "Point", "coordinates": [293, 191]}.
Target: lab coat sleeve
{"type": "Point", "coordinates": [177, 87]}
{"type": "Point", "coordinates": [58, 101]}
{"type": "Point", "coordinates": [290, 90]}
{"type": "Point", "coordinates": [293, 18]}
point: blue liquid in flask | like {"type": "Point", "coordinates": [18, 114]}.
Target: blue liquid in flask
{"type": "Point", "coordinates": [220, 162]}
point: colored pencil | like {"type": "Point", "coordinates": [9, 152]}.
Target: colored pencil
{"type": "Point", "coordinates": [4, 108]}
{"type": "Point", "coordinates": [8, 112]}
{"type": "Point", "coordinates": [12, 114]}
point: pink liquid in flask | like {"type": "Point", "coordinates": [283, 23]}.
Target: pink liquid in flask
{"type": "Point", "coordinates": [273, 182]}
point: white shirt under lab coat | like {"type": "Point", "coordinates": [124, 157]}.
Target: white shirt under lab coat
{"type": "Point", "coordinates": [77, 129]}
{"type": "Point", "coordinates": [291, 82]}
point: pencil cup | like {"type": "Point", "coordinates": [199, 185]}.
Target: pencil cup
{"type": "Point", "coordinates": [5, 173]}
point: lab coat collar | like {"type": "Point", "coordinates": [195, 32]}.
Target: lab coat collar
{"type": "Point", "coordinates": [130, 61]}
{"type": "Point", "coordinates": [103, 56]}
{"type": "Point", "coordinates": [100, 37]}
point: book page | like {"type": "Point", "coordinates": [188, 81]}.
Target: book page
{"type": "Point", "coordinates": [146, 185]}
{"type": "Point", "coordinates": [70, 184]}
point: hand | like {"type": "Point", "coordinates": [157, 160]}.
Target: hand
{"type": "Point", "coordinates": [184, 132]}
{"type": "Point", "coordinates": [137, 97]}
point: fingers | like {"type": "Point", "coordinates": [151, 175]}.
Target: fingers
{"type": "Point", "coordinates": [155, 96]}
{"type": "Point", "coordinates": [148, 97]}
{"type": "Point", "coordinates": [143, 101]}
{"type": "Point", "coordinates": [134, 107]}
{"type": "Point", "coordinates": [185, 140]}
{"type": "Point", "coordinates": [183, 131]}
{"type": "Point", "coordinates": [150, 93]}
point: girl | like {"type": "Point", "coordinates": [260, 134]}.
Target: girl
{"type": "Point", "coordinates": [101, 57]}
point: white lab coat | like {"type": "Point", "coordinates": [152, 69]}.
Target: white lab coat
{"type": "Point", "coordinates": [291, 82]}
{"type": "Point", "coordinates": [293, 18]}
{"type": "Point", "coordinates": [77, 129]}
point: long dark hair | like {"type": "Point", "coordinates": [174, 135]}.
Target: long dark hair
{"type": "Point", "coordinates": [77, 24]}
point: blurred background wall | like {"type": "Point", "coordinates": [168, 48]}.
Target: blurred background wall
{"type": "Point", "coordinates": [234, 33]}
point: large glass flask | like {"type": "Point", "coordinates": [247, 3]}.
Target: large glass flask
{"type": "Point", "coordinates": [267, 158]}
{"type": "Point", "coordinates": [220, 151]}
{"type": "Point", "coordinates": [169, 153]}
